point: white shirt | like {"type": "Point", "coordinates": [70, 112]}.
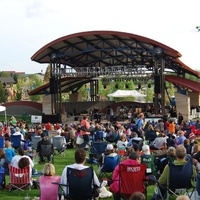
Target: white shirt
{"type": "Point", "coordinates": [121, 143]}
{"type": "Point", "coordinates": [18, 133]}
{"type": "Point", "coordinates": [79, 167]}
{"type": "Point", "coordinates": [159, 142]}
{"type": "Point", "coordinates": [15, 161]}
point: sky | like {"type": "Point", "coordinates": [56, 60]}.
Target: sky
{"type": "Point", "coordinates": [28, 25]}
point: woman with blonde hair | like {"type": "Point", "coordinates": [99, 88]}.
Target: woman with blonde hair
{"type": "Point", "coordinates": [10, 152]}
{"type": "Point", "coordinates": [47, 189]}
{"type": "Point", "coordinates": [122, 142]}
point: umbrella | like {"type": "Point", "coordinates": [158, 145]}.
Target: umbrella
{"type": "Point", "coordinates": [3, 108]}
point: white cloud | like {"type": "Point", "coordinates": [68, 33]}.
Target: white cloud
{"type": "Point", "coordinates": [27, 25]}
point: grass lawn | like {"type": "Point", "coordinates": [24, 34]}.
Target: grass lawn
{"type": "Point", "coordinates": [60, 162]}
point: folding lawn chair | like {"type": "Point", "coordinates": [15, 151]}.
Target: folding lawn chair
{"type": "Point", "coordinates": [19, 178]}
{"type": "Point", "coordinates": [179, 181]}
{"type": "Point", "coordinates": [98, 136]}
{"type": "Point", "coordinates": [2, 142]}
{"type": "Point", "coordinates": [132, 178]}
{"type": "Point", "coordinates": [97, 148]}
{"type": "Point", "coordinates": [80, 184]}
{"type": "Point", "coordinates": [59, 144]}
{"type": "Point", "coordinates": [109, 164]}
{"type": "Point", "coordinates": [47, 152]}
{"type": "Point", "coordinates": [35, 140]}
{"type": "Point", "coordinates": [2, 178]}
{"type": "Point", "coordinates": [15, 141]}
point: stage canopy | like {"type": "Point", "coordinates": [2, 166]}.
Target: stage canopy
{"type": "Point", "coordinates": [126, 93]}
{"type": "Point", "coordinates": [3, 109]}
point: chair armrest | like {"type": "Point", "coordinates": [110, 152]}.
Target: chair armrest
{"type": "Point", "coordinates": [153, 178]}
{"type": "Point", "coordinates": [60, 184]}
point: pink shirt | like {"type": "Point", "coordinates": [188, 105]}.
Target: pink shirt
{"type": "Point", "coordinates": [48, 191]}
{"type": "Point", "coordinates": [87, 124]}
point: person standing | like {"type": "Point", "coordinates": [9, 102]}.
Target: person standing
{"type": "Point", "coordinates": [85, 134]}
{"type": "Point", "coordinates": [139, 124]}
{"type": "Point", "coordinates": [180, 118]}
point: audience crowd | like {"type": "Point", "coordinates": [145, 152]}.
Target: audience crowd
{"type": "Point", "coordinates": [154, 143]}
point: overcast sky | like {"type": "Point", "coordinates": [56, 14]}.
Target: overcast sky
{"type": "Point", "coordinates": [28, 25]}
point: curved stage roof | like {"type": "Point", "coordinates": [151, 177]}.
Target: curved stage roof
{"type": "Point", "coordinates": [109, 48]}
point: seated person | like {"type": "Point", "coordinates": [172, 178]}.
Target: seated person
{"type": "Point", "coordinates": [15, 160]}
{"type": "Point", "coordinates": [112, 135]}
{"type": "Point", "coordinates": [44, 141]}
{"type": "Point", "coordinates": [133, 159]}
{"type": "Point", "coordinates": [23, 163]}
{"type": "Point", "coordinates": [134, 139]}
{"type": "Point", "coordinates": [160, 142]}
{"type": "Point", "coordinates": [148, 159]}
{"type": "Point", "coordinates": [150, 134]}
{"type": "Point", "coordinates": [80, 158]}
{"type": "Point", "coordinates": [110, 152]}
{"type": "Point", "coordinates": [137, 196]}
{"type": "Point", "coordinates": [47, 189]}
{"type": "Point", "coordinates": [5, 163]}
{"type": "Point", "coordinates": [122, 141]}
{"type": "Point", "coordinates": [163, 161]}
{"type": "Point", "coordinates": [10, 152]}
{"type": "Point", "coordinates": [180, 160]}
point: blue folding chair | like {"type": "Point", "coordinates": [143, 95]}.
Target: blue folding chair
{"type": "Point", "coordinates": [15, 141]}
{"type": "Point", "coordinates": [98, 136]}
{"type": "Point", "coordinates": [108, 165]}
{"type": "Point", "coordinates": [80, 184]}
{"type": "Point", "coordinates": [2, 142]}
{"type": "Point", "coordinates": [97, 148]}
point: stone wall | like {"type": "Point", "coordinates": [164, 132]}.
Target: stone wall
{"type": "Point", "coordinates": [183, 105]}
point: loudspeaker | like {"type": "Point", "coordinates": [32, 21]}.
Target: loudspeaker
{"type": "Point", "coordinates": [157, 84]}
{"type": "Point", "coordinates": [53, 85]}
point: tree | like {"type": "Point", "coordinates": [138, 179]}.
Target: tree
{"type": "Point", "coordinates": [47, 74]}
{"type": "Point", "coordinates": [18, 96]}
{"type": "Point", "coordinates": [3, 96]}
{"type": "Point", "coordinates": [4, 74]}
{"type": "Point", "coordinates": [34, 82]}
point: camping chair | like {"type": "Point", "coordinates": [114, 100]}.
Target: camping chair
{"type": "Point", "coordinates": [35, 140]}
{"type": "Point", "coordinates": [108, 166]}
{"type": "Point", "coordinates": [59, 144]}
{"type": "Point", "coordinates": [80, 184]}
{"type": "Point", "coordinates": [2, 142]}
{"type": "Point", "coordinates": [15, 141]}
{"type": "Point", "coordinates": [179, 180]}
{"type": "Point", "coordinates": [19, 178]}
{"type": "Point", "coordinates": [122, 153]}
{"type": "Point", "coordinates": [2, 178]}
{"type": "Point", "coordinates": [150, 136]}
{"type": "Point", "coordinates": [132, 178]}
{"type": "Point", "coordinates": [97, 148]}
{"type": "Point", "coordinates": [98, 136]}
{"type": "Point", "coordinates": [47, 152]}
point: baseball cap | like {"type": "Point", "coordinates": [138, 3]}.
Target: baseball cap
{"type": "Point", "coordinates": [109, 147]}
